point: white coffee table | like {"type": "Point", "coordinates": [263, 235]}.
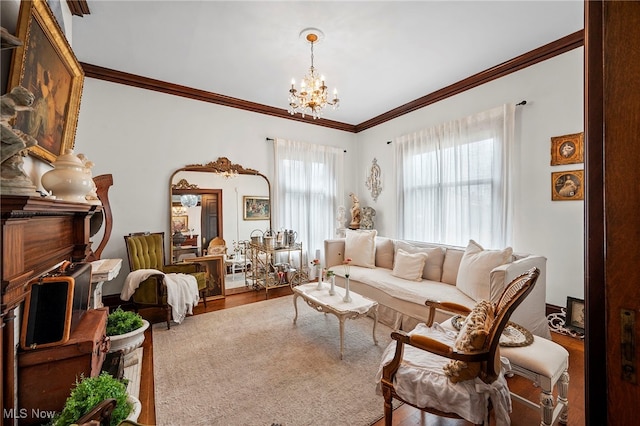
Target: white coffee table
{"type": "Point", "coordinates": [321, 301]}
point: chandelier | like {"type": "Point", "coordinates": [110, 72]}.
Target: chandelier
{"type": "Point", "coordinates": [311, 98]}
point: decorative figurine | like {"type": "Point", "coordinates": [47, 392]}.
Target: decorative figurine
{"type": "Point", "coordinates": [368, 213]}
{"type": "Point", "coordinates": [355, 212]}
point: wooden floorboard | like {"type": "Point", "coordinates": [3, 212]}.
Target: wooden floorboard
{"type": "Point", "coordinates": [405, 415]}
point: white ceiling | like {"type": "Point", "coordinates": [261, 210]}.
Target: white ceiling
{"type": "Point", "coordinates": [378, 54]}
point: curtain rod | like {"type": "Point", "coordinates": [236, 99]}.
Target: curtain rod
{"type": "Point", "coordinates": [271, 139]}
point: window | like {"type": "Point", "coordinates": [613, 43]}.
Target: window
{"type": "Point", "coordinates": [307, 190]}
{"type": "Point", "coordinates": [453, 181]}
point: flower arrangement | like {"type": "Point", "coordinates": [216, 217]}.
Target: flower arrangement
{"type": "Point", "coordinates": [315, 262]}
{"type": "Point", "coordinates": [329, 273]}
{"type": "Point", "coordinates": [347, 266]}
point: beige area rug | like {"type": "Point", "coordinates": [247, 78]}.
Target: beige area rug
{"type": "Point", "coordinates": [250, 365]}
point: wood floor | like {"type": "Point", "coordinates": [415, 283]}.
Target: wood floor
{"type": "Point", "coordinates": [404, 415]}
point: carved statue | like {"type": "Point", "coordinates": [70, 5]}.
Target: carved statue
{"type": "Point", "coordinates": [92, 196]}
{"type": "Point", "coordinates": [14, 180]}
{"type": "Point", "coordinates": [368, 213]}
{"type": "Point", "coordinates": [355, 212]}
{"type": "Point", "coordinates": [341, 219]}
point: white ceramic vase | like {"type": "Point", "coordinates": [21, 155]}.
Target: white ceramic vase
{"type": "Point", "coordinates": [130, 341]}
{"type": "Point", "coordinates": [68, 181]}
{"type": "Point", "coordinates": [332, 289]}
{"type": "Point", "coordinates": [347, 296]}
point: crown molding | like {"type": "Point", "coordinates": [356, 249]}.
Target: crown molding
{"type": "Point", "coordinates": [540, 54]}
{"type": "Point", "coordinates": [78, 7]}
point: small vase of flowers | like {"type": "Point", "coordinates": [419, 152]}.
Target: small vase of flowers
{"type": "Point", "coordinates": [347, 268]}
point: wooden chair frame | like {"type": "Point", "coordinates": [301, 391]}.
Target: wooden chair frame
{"type": "Point", "coordinates": [512, 296]}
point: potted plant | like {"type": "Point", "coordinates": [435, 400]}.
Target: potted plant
{"type": "Point", "coordinates": [125, 330]}
{"type": "Point", "coordinates": [89, 392]}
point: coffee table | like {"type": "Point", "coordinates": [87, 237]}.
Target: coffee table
{"type": "Point", "coordinates": [321, 301]}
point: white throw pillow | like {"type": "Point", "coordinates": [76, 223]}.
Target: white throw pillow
{"type": "Point", "coordinates": [474, 275]}
{"type": "Point", "coordinates": [409, 266]}
{"type": "Point", "coordinates": [435, 258]}
{"type": "Point", "coordinates": [360, 247]}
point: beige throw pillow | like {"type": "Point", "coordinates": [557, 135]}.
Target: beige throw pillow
{"type": "Point", "coordinates": [435, 258]}
{"type": "Point", "coordinates": [360, 247]}
{"type": "Point", "coordinates": [474, 275]}
{"type": "Point", "coordinates": [384, 252]}
{"type": "Point", "coordinates": [409, 266]}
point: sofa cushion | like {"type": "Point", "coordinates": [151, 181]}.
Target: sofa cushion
{"type": "Point", "coordinates": [384, 252]}
{"type": "Point", "coordinates": [360, 247]}
{"type": "Point", "coordinates": [409, 266]}
{"type": "Point", "coordinates": [450, 266]}
{"type": "Point", "coordinates": [472, 337]}
{"type": "Point", "coordinates": [474, 274]}
{"type": "Point", "coordinates": [435, 258]}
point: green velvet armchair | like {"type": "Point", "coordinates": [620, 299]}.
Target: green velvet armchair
{"type": "Point", "coordinates": [146, 251]}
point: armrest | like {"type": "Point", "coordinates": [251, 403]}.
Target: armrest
{"type": "Point", "coordinates": [182, 268]}
{"type": "Point", "coordinates": [444, 306]}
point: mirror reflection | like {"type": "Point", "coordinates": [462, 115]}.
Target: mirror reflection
{"type": "Point", "coordinates": [215, 209]}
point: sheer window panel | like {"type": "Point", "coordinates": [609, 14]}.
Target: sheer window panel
{"type": "Point", "coordinates": [453, 180]}
{"type": "Point", "coordinates": [307, 191]}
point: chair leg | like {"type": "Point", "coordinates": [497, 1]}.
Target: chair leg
{"type": "Point", "coordinates": [388, 407]}
{"type": "Point", "coordinates": [204, 298]}
{"type": "Point", "coordinates": [168, 309]}
{"type": "Point", "coordinates": [563, 391]}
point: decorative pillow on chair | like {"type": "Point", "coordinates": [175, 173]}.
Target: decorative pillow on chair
{"type": "Point", "coordinates": [409, 266]}
{"type": "Point", "coordinates": [360, 247]}
{"type": "Point", "coordinates": [472, 337]}
{"type": "Point", "coordinates": [474, 274]}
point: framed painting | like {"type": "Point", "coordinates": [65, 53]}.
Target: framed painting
{"type": "Point", "coordinates": [46, 66]}
{"type": "Point", "coordinates": [567, 149]}
{"type": "Point", "coordinates": [179, 223]}
{"type": "Point", "coordinates": [567, 185]}
{"type": "Point", "coordinates": [575, 315]}
{"type": "Point", "coordinates": [256, 208]}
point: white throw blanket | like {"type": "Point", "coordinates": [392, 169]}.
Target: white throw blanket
{"type": "Point", "coordinates": [182, 290]}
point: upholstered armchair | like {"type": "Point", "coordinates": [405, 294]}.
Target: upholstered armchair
{"type": "Point", "coordinates": [146, 251]}
{"type": "Point", "coordinates": [451, 374]}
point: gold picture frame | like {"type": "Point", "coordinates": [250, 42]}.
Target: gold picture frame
{"type": "Point", "coordinates": [567, 149]}
{"type": "Point", "coordinates": [47, 67]}
{"type": "Point", "coordinates": [567, 185]}
{"type": "Point", "coordinates": [256, 208]}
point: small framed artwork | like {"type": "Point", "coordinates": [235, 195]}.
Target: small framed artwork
{"type": "Point", "coordinates": [46, 66]}
{"type": "Point", "coordinates": [179, 223]}
{"type": "Point", "coordinates": [567, 185]}
{"type": "Point", "coordinates": [256, 208]}
{"type": "Point", "coordinates": [575, 315]}
{"type": "Point", "coordinates": [567, 149]}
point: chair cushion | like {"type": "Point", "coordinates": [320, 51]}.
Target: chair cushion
{"type": "Point", "coordinates": [420, 380]}
{"type": "Point", "coordinates": [474, 274]}
{"type": "Point", "coordinates": [409, 266]}
{"type": "Point", "coordinates": [360, 247]}
{"type": "Point", "coordinates": [472, 337]}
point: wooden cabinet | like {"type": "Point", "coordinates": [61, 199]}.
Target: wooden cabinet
{"type": "Point", "coordinates": [36, 234]}
{"type": "Point", "coordinates": [46, 375]}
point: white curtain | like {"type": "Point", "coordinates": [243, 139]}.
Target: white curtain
{"type": "Point", "coordinates": [307, 191]}
{"type": "Point", "coordinates": [454, 180]}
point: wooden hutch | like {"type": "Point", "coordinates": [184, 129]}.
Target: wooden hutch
{"type": "Point", "coordinates": [37, 234]}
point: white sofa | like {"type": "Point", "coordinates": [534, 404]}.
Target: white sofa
{"type": "Point", "coordinates": [401, 301]}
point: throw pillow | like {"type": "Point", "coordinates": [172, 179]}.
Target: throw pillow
{"type": "Point", "coordinates": [474, 274]}
{"type": "Point", "coordinates": [435, 258]}
{"type": "Point", "coordinates": [360, 247]}
{"type": "Point", "coordinates": [409, 266]}
{"type": "Point", "coordinates": [384, 252]}
{"type": "Point", "coordinates": [471, 338]}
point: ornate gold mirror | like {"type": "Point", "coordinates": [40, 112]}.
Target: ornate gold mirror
{"type": "Point", "coordinates": [217, 199]}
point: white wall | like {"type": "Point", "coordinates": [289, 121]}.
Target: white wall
{"type": "Point", "coordinates": [553, 90]}
{"type": "Point", "coordinates": [141, 137]}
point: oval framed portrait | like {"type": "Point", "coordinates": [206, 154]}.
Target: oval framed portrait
{"type": "Point", "coordinates": [568, 185]}
{"type": "Point", "coordinates": [567, 149]}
